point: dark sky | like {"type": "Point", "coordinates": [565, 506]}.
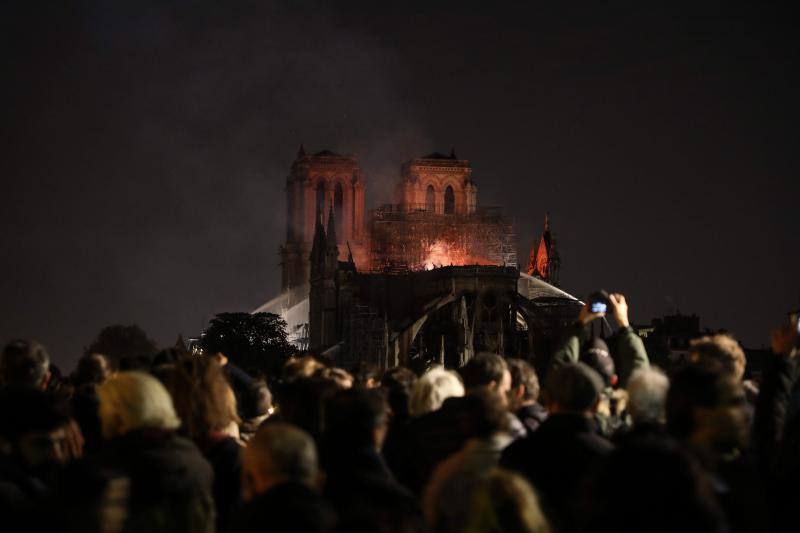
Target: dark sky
{"type": "Point", "coordinates": [146, 144]}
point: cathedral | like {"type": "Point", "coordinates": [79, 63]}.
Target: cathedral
{"type": "Point", "coordinates": [430, 277]}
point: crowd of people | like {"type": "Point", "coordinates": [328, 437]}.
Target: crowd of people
{"type": "Point", "coordinates": [191, 443]}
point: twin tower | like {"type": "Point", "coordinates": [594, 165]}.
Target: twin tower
{"type": "Point", "coordinates": [330, 187]}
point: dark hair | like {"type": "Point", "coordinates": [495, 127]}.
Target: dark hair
{"type": "Point", "coordinates": [574, 387]}
{"type": "Point", "coordinates": [363, 373]}
{"type": "Point", "coordinates": [596, 355]}
{"type": "Point", "coordinates": [398, 382]}
{"type": "Point", "coordinates": [24, 362]}
{"type": "Point", "coordinates": [351, 417]}
{"type": "Point", "coordinates": [300, 402]}
{"type": "Point", "coordinates": [487, 412]}
{"type": "Point", "coordinates": [523, 374]}
{"type": "Point", "coordinates": [682, 499]}
{"type": "Point", "coordinates": [255, 400]}
{"type": "Point", "coordinates": [483, 369]}
{"type": "Point", "coordinates": [704, 384]}
{"type": "Point", "coordinates": [25, 410]}
{"type": "Point", "coordinates": [92, 369]}
{"type": "Point", "coordinates": [139, 363]}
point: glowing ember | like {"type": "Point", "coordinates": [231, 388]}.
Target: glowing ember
{"type": "Point", "coordinates": [442, 253]}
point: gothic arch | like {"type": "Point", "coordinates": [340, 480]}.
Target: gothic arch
{"type": "Point", "coordinates": [449, 201]}
{"type": "Point", "coordinates": [430, 199]}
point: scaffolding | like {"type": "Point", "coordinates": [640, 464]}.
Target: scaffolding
{"type": "Point", "coordinates": [411, 237]}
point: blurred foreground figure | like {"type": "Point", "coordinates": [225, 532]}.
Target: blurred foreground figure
{"type": "Point", "coordinates": [777, 427]}
{"type": "Point", "coordinates": [503, 502]}
{"type": "Point", "coordinates": [358, 482]}
{"type": "Point", "coordinates": [653, 485]}
{"type": "Point", "coordinates": [206, 405]}
{"type": "Point", "coordinates": [558, 456]}
{"type": "Point", "coordinates": [25, 363]}
{"type": "Point", "coordinates": [279, 473]}
{"type": "Point", "coordinates": [434, 436]}
{"type": "Point", "coordinates": [707, 412]}
{"type": "Point", "coordinates": [33, 446]}
{"type": "Point", "coordinates": [447, 496]}
{"type": "Point", "coordinates": [169, 480]}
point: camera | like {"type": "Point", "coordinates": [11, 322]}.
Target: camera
{"type": "Point", "coordinates": [598, 301]}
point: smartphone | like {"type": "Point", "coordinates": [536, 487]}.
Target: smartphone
{"type": "Point", "coordinates": [599, 307]}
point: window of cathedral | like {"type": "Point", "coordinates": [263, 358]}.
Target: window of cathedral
{"type": "Point", "coordinates": [449, 201]}
{"type": "Point", "coordinates": [430, 199]}
{"type": "Point", "coordinates": [338, 210]}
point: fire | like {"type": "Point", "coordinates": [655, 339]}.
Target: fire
{"type": "Point", "coordinates": [442, 253]}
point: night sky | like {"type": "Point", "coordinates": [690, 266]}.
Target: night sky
{"type": "Point", "coordinates": [146, 145]}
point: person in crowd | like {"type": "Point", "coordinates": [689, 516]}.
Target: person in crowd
{"type": "Point", "coordinates": [398, 383]}
{"type": "Point", "coordinates": [165, 363]}
{"type": "Point", "coordinates": [340, 376]}
{"type": "Point", "coordinates": [92, 371]}
{"type": "Point", "coordinates": [777, 427]}
{"type": "Point", "coordinates": [280, 472]}
{"type": "Point", "coordinates": [34, 444]}
{"type": "Point", "coordinates": [447, 495]}
{"type": "Point", "coordinates": [727, 351]}
{"type": "Point", "coordinates": [205, 403]}
{"type": "Point", "coordinates": [647, 398]}
{"type": "Point", "coordinates": [523, 398]}
{"type": "Point", "coordinates": [299, 367]}
{"type": "Point", "coordinates": [366, 375]}
{"type": "Point", "coordinates": [707, 412]}
{"type": "Point", "coordinates": [432, 437]}
{"type": "Point", "coordinates": [169, 479]}
{"type": "Point", "coordinates": [650, 484]}
{"type": "Point", "coordinates": [609, 415]}
{"type": "Point", "coordinates": [25, 363]}
{"type": "Point", "coordinates": [432, 389]}
{"type": "Point", "coordinates": [628, 354]}
{"type": "Point", "coordinates": [504, 502]}
{"type": "Point", "coordinates": [301, 401]}
{"type": "Point", "coordinates": [557, 457]}
{"type": "Point", "coordinates": [358, 482]}
{"type": "Point", "coordinates": [238, 379]}
{"type": "Point", "coordinates": [255, 406]}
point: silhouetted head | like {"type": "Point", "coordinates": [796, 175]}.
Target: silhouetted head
{"type": "Point", "coordinates": [524, 384]}
{"type": "Point", "coordinates": [706, 406]}
{"type": "Point", "coordinates": [573, 388]}
{"type": "Point", "coordinates": [25, 363]}
{"type": "Point", "coordinates": [486, 370]}
{"type": "Point", "coordinates": [597, 356]}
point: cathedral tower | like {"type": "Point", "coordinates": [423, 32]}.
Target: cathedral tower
{"type": "Point", "coordinates": [439, 184]}
{"type": "Point", "coordinates": [327, 182]}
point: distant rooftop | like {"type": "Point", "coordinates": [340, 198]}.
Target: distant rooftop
{"type": "Point", "coordinates": [437, 155]}
{"type": "Point", "coordinates": [328, 153]}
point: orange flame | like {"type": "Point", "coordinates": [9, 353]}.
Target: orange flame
{"type": "Point", "coordinates": [442, 253]}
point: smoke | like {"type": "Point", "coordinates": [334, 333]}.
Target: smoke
{"type": "Point", "coordinates": [189, 118]}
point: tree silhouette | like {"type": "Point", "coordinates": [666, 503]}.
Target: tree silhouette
{"type": "Point", "coordinates": [252, 341]}
{"type": "Point", "coordinates": [117, 342]}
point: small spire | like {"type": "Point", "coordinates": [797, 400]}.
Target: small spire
{"type": "Point", "coordinates": [301, 152]}
{"type": "Point", "coordinates": [453, 153]}
{"type": "Point", "coordinates": [180, 344]}
{"type": "Point", "coordinates": [331, 233]}
{"type": "Point", "coordinates": [547, 221]}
